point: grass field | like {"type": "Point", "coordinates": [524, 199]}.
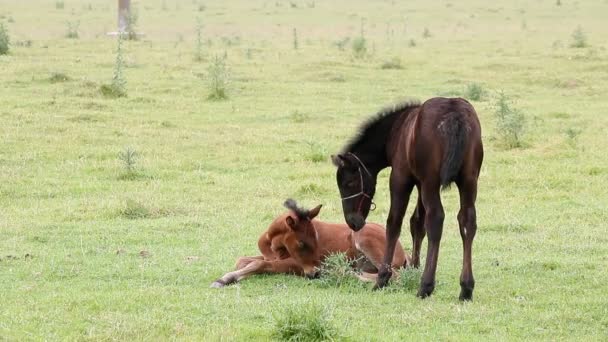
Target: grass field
{"type": "Point", "coordinates": [91, 250]}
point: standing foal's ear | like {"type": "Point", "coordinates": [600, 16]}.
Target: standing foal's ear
{"type": "Point", "coordinates": [291, 223]}
{"type": "Point", "coordinates": [338, 160]}
{"type": "Point", "coordinates": [314, 212]}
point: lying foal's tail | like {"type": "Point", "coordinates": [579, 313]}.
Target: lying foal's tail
{"type": "Point", "coordinates": [454, 131]}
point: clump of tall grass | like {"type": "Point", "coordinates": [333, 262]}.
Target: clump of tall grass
{"type": "Point", "coordinates": [218, 78]}
{"type": "Point", "coordinates": [407, 278]}
{"type": "Point", "coordinates": [4, 40]}
{"type": "Point", "coordinates": [295, 39]}
{"type": "Point", "coordinates": [304, 322]}
{"type": "Point", "coordinates": [426, 33]}
{"type": "Point", "coordinates": [510, 122]}
{"type": "Point", "coordinates": [59, 5]}
{"type": "Point", "coordinates": [579, 39]}
{"type": "Point", "coordinates": [337, 271]}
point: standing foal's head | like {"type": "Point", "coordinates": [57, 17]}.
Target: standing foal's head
{"type": "Point", "coordinates": [357, 186]}
{"type": "Point", "coordinates": [301, 241]}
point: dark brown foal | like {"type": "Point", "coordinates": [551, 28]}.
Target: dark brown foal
{"type": "Point", "coordinates": [428, 146]}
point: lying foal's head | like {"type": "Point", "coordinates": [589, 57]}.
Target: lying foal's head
{"type": "Point", "coordinates": [301, 239]}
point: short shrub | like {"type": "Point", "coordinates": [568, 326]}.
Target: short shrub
{"type": "Point", "coordinates": [317, 153]}
{"type": "Point", "coordinates": [59, 5]}
{"type": "Point", "coordinates": [218, 79]}
{"type": "Point", "coordinates": [304, 322]}
{"type": "Point", "coordinates": [58, 77]}
{"type": "Point", "coordinates": [393, 63]}
{"type": "Point", "coordinates": [510, 122]}
{"type": "Point", "coordinates": [475, 92]}
{"type": "Point", "coordinates": [359, 47]}
{"type": "Point", "coordinates": [572, 136]}
{"type": "Point", "coordinates": [4, 40]}
{"type": "Point", "coordinates": [579, 39]}
{"type": "Point", "coordinates": [72, 32]}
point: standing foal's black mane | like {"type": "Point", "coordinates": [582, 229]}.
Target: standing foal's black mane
{"type": "Point", "coordinates": [373, 133]}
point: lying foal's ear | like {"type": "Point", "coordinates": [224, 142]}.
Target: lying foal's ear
{"type": "Point", "coordinates": [291, 223]}
{"type": "Point", "coordinates": [314, 212]}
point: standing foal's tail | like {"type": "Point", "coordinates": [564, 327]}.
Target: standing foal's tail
{"type": "Point", "coordinates": [454, 130]}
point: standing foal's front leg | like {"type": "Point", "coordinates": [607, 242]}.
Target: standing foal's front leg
{"type": "Point", "coordinates": [400, 196]}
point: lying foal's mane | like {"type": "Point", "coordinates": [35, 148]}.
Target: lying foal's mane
{"type": "Point", "coordinates": [301, 213]}
{"type": "Point", "coordinates": [379, 124]}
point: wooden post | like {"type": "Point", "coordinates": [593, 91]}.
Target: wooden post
{"type": "Point", "coordinates": [124, 14]}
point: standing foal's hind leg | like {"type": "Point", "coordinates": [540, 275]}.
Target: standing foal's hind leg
{"type": "Point", "coordinates": [467, 221]}
{"type": "Point", "coordinates": [417, 231]}
{"type": "Point", "coordinates": [433, 223]}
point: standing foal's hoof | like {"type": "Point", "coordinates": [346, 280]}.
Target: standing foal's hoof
{"type": "Point", "coordinates": [425, 290]}
{"type": "Point", "coordinates": [466, 294]}
{"type": "Point", "coordinates": [383, 278]}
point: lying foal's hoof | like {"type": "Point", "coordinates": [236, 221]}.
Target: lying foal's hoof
{"type": "Point", "coordinates": [217, 284]}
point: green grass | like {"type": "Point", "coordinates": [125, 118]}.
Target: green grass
{"type": "Point", "coordinates": [86, 254]}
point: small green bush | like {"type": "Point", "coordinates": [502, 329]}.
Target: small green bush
{"type": "Point", "coordinates": [72, 32]}
{"type": "Point", "coordinates": [579, 39]}
{"type": "Point", "coordinates": [359, 47]}
{"type": "Point", "coordinates": [510, 122]}
{"type": "Point", "coordinates": [317, 152]}
{"type": "Point", "coordinates": [393, 63]}
{"type": "Point", "coordinates": [218, 79]}
{"type": "Point", "coordinates": [4, 40]}
{"type": "Point", "coordinates": [304, 322]}
{"type": "Point", "coordinates": [572, 136]}
{"type": "Point", "coordinates": [299, 117]}
{"type": "Point", "coordinates": [58, 77]}
{"type": "Point", "coordinates": [475, 92]}
{"type": "Point", "coordinates": [118, 87]}
{"type": "Point", "coordinates": [59, 5]}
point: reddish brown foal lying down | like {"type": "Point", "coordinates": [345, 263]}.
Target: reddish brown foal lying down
{"type": "Point", "coordinates": [296, 243]}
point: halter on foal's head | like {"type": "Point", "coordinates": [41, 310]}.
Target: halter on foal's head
{"type": "Point", "coordinates": [356, 205]}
